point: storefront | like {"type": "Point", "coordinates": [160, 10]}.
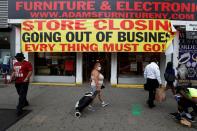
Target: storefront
{"type": "Point", "coordinates": [5, 52]}
{"type": "Point", "coordinates": [121, 36]}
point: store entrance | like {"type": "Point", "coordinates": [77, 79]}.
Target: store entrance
{"type": "Point", "coordinates": [89, 59]}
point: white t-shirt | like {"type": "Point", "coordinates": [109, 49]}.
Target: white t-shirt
{"type": "Point", "coordinates": [152, 72]}
{"type": "Point", "coordinates": [6, 60]}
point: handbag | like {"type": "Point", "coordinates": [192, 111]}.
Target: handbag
{"type": "Point", "coordinates": [102, 87]}
{"type": "Point", "coordinates": [160, 95]}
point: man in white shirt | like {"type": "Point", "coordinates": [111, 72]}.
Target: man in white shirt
{"type": "Point", "coordinates": [153, 79]}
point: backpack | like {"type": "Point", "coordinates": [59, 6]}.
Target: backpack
{"type": "Point", "coordinates": [169, 77]}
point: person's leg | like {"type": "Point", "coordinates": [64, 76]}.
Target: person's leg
{"type": "Point", "coordinates": [154, 93]}
{"type": "Point", "coordinates": [25, 93]}
{"type": "Point", "coordinates": [183, 105]}
{"type": "Point", "coordinates": [100, 97]}
{"type": "Point", "coordinates": [19, 88]}
{"type": "Point", "coordinates": [167, 86]}
{"type": "Point", "coordinates": [90, 107]}
{"type": "Point", "coordinates": [173, 90]}
{"type": "Point", "coordinates": [171, 86]}
{"type": "Point", "coordinates": [151, 98]}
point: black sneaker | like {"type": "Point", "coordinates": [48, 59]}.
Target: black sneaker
{"type": "Point", "coordinates": [151, 106]}
{"type": "Point", "coordinates": [26, 104]}
{"type": "Point", "coordinates": [19, 112]}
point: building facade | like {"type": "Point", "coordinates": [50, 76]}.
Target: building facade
{"type": "Point", "coordinates": [119, 67]}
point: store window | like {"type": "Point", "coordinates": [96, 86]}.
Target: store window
{"type": "Point", "coordinates": [55, 64]}
{"type": "Point", "coordinates": [5, 54]}
{"type": "Point", "coordinates": [133, 64]}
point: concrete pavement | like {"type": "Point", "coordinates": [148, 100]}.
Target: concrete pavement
{"type": "Point", "coordinates": [53, 110]}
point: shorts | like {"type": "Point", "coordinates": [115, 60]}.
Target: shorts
{"type": "Point", "coordinates": [93, 88]}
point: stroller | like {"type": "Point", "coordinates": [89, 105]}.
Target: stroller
{"type": "Point", "coordinates": [84, 102]}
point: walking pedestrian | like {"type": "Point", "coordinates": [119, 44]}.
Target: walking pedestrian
{"type": "Point", "coordinates": [153, 79]}
{"type": "Point", "coordinates": [21, 73]}
{"type": "Point", "coordinates": [169, 76]}
{"type": "Point", "coordinates": [97, 81]}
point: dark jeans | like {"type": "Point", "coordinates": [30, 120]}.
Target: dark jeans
{"type": "Point", "coordinates": [152, 85]}
{"type": "Point", "coordinates": [22, 89]}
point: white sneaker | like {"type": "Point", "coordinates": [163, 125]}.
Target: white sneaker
{"type": "Point", "coordinates": [104, 104]}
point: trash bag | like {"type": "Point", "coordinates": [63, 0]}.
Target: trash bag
{"type": "Point", "coordinates": [160, 95]}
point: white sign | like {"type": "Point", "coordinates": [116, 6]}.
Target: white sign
{"type": "Point", "coordinates": [133, 66]}
{"type": "Point", "coordinates": [191, 26]}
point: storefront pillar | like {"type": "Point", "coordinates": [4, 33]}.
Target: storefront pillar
{"type": "Point", "coordinates": [113, 79]}
{"type": "Point", "coordinates": [17, 40]}
{"type": "Point", "coordinates": [79, 69]}
{"type": "Point", "coordinates": [18, 47]}
{"type": "Point", "coordinates": [176, 50]}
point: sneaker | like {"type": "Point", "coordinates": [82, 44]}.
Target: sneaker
{"type": "Point", "coordinates": [189, 117]}
{"type": "Point", "coordinates": [152, 106]}
{"type": "Point", "coordinates": [104, 104]}
{"type": "Point", "coordinates": [26, 104]}
{"type": "Point", "coordinates": [19, 112]}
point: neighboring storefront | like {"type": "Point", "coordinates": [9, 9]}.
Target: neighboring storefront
{"type": "Point", "coordinates": [5, 46]}
{"type": "Point", "coordinates": [63, 39]}
{"type": "Point", "coordinates": [5, 52]}
{"type": "Point", "coordinates": [187, 58]}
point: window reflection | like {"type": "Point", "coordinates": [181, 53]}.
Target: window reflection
{"type": "Point", "coordinates": [55, 64]}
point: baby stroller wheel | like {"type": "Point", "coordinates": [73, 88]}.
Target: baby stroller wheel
{"type": "Point", "coordinates": [77, 114]}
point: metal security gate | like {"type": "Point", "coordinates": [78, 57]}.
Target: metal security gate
{"type": "Point", "coordinates": [3, 13]}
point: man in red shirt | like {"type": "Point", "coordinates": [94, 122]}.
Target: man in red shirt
{"type": "Point", "coordinates": [21, 73]}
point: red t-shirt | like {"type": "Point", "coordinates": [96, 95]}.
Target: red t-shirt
{"type": "Point", "coordinates": [21, 70]}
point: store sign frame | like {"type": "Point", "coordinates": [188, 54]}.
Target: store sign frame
{"type": "Point", "coordinates": [96, 35]}
{"type": "Point", "coordinates": [126, 9]}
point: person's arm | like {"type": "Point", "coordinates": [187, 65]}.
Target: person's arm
{"type": "Point", "coordinates": [157, 72]}
{"type": "Point", "coordinates": [145, 73]}
{"type": "Point", "coordinates": [11, 77]}
{"type": "Point", "coordinates": [29, 66]}
{"type": "Point", "coordinates": [28, 76]}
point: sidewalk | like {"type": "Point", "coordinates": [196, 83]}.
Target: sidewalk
{"type": "Point", "coordinates": [53, 110]}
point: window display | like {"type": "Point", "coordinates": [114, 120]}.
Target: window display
{"type": "Point", "coordinates": [133, 64]}
{"type": "Point", "coordinates": [55, 64]}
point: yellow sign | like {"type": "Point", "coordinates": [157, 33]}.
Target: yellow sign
{"type": "Point", "coordinates": [96, 35]}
